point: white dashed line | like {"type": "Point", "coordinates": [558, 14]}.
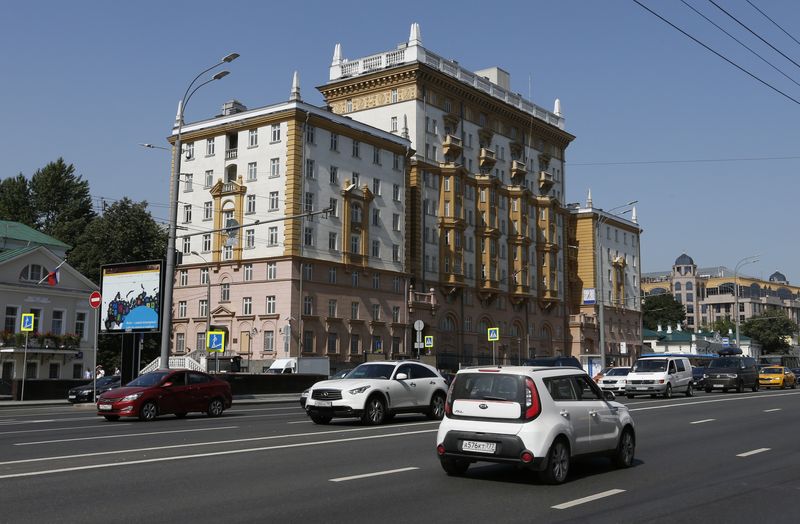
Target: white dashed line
{"type": "Point", "coordinates": [377, 473]}
{"type": "Point", "coordinates": [753, 452]}
{"type": "Point", "coordinates": [590, 498]}
{"type": "Point", "coordinates": [703, 421]}
{"type": "Point", "coordinates": [771, 410]}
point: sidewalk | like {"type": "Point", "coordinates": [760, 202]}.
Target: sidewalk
{"type": "Point", "coordinates": [238, 400]}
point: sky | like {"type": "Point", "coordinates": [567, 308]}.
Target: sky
{"type": "Point", "coordinates": [710, 153]}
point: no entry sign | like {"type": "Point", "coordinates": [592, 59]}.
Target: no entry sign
{"type": "Point", "coordinates": [95, 299]}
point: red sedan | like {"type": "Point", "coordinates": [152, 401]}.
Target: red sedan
{"type": "Point", "coordinates": [175, 391]}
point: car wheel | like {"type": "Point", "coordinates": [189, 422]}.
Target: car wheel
{"type": "Point", "coordinates": [180, 415]}
{"type": "Point", "coordinates": [148, 411]}
{"type": "Point", "coordinates": [374, 411]}
{"type": "Point", "coordinates": [783, 384]}
{"type": "Point", "coordinates": [689, 391]}
{"type": "Point", "coordinates": [112, 418]}
{"type": "Point", "coordinates": [215, 407]}
{"type": "Point", "coordinates": [320, 419]}
{"type": "Point", "coordinates": [794, 385]}
{"type": "Point", "coordinates": [740, 387]}
{"type": "Point", "coordinates": [629, 396]}
{"type": "Point", "coordinates": [668, 391]}
{"type": "Point", "coordinates": [756, 386]}
{"type": "Point", "coordinates": [454, 467]}
{"type": "Point", "coordinates": [557, 468]}
{"type": "Point", "coordinates": [436, 409]}
{"type": "Point", "coordinates": [623, 456]}
{"type": "Point", "coordinates": [653, 395]}
{"type": "Point", "coordinates": [708, 389]}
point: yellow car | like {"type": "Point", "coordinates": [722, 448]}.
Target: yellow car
{"type": "Point", "coordinates": [776, 377]}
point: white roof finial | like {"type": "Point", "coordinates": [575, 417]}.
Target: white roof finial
{"type": "Point", "coordinates": [337, 54]}
{"type": "Point", "coordinates": [669, 328]}
{"type": "Point", "coordinates": [415, 38]}
{"type": "Point", "coordinates": [557, 107]}
{"type": "Point", "coordinates": [589, 199]}
{"type": "Point", "coordinates": [295, 94]}
{"type": "Point", "coordinates": [634, 219]}
{"type": "Point", "coordinates": [178, 119]}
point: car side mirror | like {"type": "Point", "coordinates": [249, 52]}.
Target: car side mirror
{"type": "Point", "coordinates": [401, 376]}
{"type": "Point", "coordinates": [609, 395]}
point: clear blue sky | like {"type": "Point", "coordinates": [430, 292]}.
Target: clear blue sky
{"type": "Point", "coordinates": [90, 80]}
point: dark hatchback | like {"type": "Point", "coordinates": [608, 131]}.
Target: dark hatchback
{"type": "Point", "coordinates": [166, 391]}
{"type": "Point", "coordinates": [726, 373]}
{"type": "Point", "coordinates": [83, 393]}
{"type": "Point", "coordinates": [553, 362]}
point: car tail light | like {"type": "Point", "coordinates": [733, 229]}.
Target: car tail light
{"type": "Point", "coordinates": [526, 457]}
{"type": "Point", "coordinates": [448, 403]}
{"type": "Point", "coordinates": [440, 449]}
{"type": "Point", "coordinates": [532, 405]}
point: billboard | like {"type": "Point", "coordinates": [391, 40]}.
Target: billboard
{"type": "Point", "coordinates": [131, 297]}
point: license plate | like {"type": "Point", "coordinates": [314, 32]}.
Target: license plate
{"type": "Point", "coordinates": [479, 447]}
{"type": "Point", "coordinates": [104, 407]}
{"type": "Point", "coordinates": [718, 385]}
{"type": "Point", "coordinates": [640, 388]}
{"type": "Point", "coordinates": [324, 403]}
{"type": "Point", "coordinates": [72, 396]}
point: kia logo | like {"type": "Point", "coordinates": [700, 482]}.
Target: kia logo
{"type": "Point", "coordinates": [483, 406]}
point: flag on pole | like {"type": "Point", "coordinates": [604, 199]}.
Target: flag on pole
{"type": "Point", "coordinates": [54, 276]}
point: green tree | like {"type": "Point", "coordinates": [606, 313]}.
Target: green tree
{"type": "Point", "coordinates": [15, 201]}
{"type": "Point", "coordinates": [61, 201]}
{"type": "Point", "coordinates": [771, 329]}
{"type": "Point", "coordinates": [723, 326]}
{"type": "Point", "coordinates": [661, 309]}
{"type": "Point", "coordinates": [126, 232]}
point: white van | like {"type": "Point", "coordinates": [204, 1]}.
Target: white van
{"type": "Point", "coordinates": [659, 376]}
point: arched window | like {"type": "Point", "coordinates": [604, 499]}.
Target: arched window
{"type": "Point", "coordinates": [677, 286]}
{"type": "Point", "coordinates": [32, 273]}
{"type": "Point", "coordinates": [689, 286]}
{"type": "Point", "coordinates": [447, 324]}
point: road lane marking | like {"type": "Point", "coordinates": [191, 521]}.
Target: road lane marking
{"type": "Point", "coordinates": [18, 422]}
{"type": "Point", "coordinates": [753, 452]}
{"type": "Point", "coordinates": [771, 410]}
{"type": "Point", "coordinates": [697, 403]}
{"type": "Point", "coordinates": [300, 422]}
{"type": "Point", "coordinates": [219, 442]}
{"type": "Point", "coordinates": [703, 421]}
{"type": "Point", "coordinates": [212, 454]}
{"type": "Point", "coordinates": [584, 500]}
{"type": "Point", "coordinates": [376, 474]}
{"type": "Point", "coordinates": [122, 435]}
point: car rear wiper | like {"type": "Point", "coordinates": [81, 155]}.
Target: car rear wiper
{"type": "Point", "coordinates": [488, 397]}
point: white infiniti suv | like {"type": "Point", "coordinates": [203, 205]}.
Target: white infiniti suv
{"type": "Point", "coordinates": [533, 417]}
{"type": "Point", "coordinates": [376, 391]}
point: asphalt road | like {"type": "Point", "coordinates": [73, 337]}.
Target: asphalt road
{"type": "Point", "coordinates": [712, 458]}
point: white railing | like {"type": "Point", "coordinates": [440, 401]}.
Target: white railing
{"type": "Point", "coordinates": [174, 363]}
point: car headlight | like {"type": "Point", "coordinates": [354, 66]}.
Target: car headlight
{"type": "Point", "coordinates": [132, 396]}
{"type": "Point", "coordinates": [358, 391]}
{"type": "Point", "coordinates": [304, 394]}
{"type": "Point", "coordinates": [705, 376]}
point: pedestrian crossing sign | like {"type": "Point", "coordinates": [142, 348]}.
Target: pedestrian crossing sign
{"type": "Point", "coordinates": [27, 322]}
{"type": "Point", "coordinates": [493, 334]}
{"type": "Point", "coordinates": [215, 341]}
{"type": "Point", "coordinates": [428, 341]}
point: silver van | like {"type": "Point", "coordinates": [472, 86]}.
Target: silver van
{"type": "Point", "coordinates": [660, 376]}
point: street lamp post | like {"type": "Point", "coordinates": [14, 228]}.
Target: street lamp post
{"type": "Point", "coordinates": [208, 307]}
{"type": "Point", "coordinates": [746, 260]}
{"type": "Point", "coordinates": [601, 303]}
{"type": "Point", "coordinates": [166, 321]}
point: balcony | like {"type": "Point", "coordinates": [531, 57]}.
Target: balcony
{"type": "Point", "coordinates": [452, 147]}
{"type": "Point", "coordinates": [518, 168]}
{"type": "Point", "coordinates": [545, 181]}
{"type": "Point", "coordinates": [232, 154]}
{"type": "Point", "coordinates": [582, 320]}
{"type": "Point", "coordinates": [487, 158]}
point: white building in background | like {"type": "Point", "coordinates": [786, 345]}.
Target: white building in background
{"type": "Point", "coordinates": [329, 284]}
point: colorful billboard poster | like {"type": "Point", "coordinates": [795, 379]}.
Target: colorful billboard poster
{"type": "Point", "coordinates": [131, 297]}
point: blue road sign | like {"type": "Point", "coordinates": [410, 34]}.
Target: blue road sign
{"type": "Point", "coordinates": [215, 341]}
{"type": "Point", "coordinates": [27, 322]}
{"type": "Point", "coordinates": [493, 334]}
{"type": "Point", "coordinates": [428, 341]}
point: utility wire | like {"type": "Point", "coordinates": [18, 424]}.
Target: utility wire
{"type": "Point", "coordinates": [754, 33]}
{"type": "Point", "coordinates": [773, 21]}
{"type": "Point", "coordinates": [740, 43]}
{"type": "Point", "coordinates": [737, 66]}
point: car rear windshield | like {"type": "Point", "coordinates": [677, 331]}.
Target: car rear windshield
{"type": "Point", "coordinates": [149, 379]}
{"type": "Point", "coordinates": [725, 363]}
{"type": "Point", "coordinates": [618, 372]}
{"type": "Point", "coordinates": [658, 364]}
{"type": "Point", "coordinates": [488, 386]}
{"type": "Point", "coordinates": [372, 371]}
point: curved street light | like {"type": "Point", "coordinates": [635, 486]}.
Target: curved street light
{"type": "Point", "coordinates": [166, 321]}
{"type": "Point", "coordinates": [746, 260]}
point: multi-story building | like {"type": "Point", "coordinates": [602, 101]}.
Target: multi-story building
{"type": "Point", "coordinates": [709, 294]}
{"type": "Point", "coordinates": [61, 345]}
{"type": "Point", "coordinates": [292, 280]}
{"type": "Point", "coordinates": [605, 268]}
{"type": "Point", "coordinates": [485, 216]}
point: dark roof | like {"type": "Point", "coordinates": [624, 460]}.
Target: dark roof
{"type": "Point", "coordinates": [777, 277]}
{"type": "Point", "coordinates": [684, 260]}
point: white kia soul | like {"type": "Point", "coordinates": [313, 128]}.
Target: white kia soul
{"type": "Point", "coordinates": [533, 417]}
